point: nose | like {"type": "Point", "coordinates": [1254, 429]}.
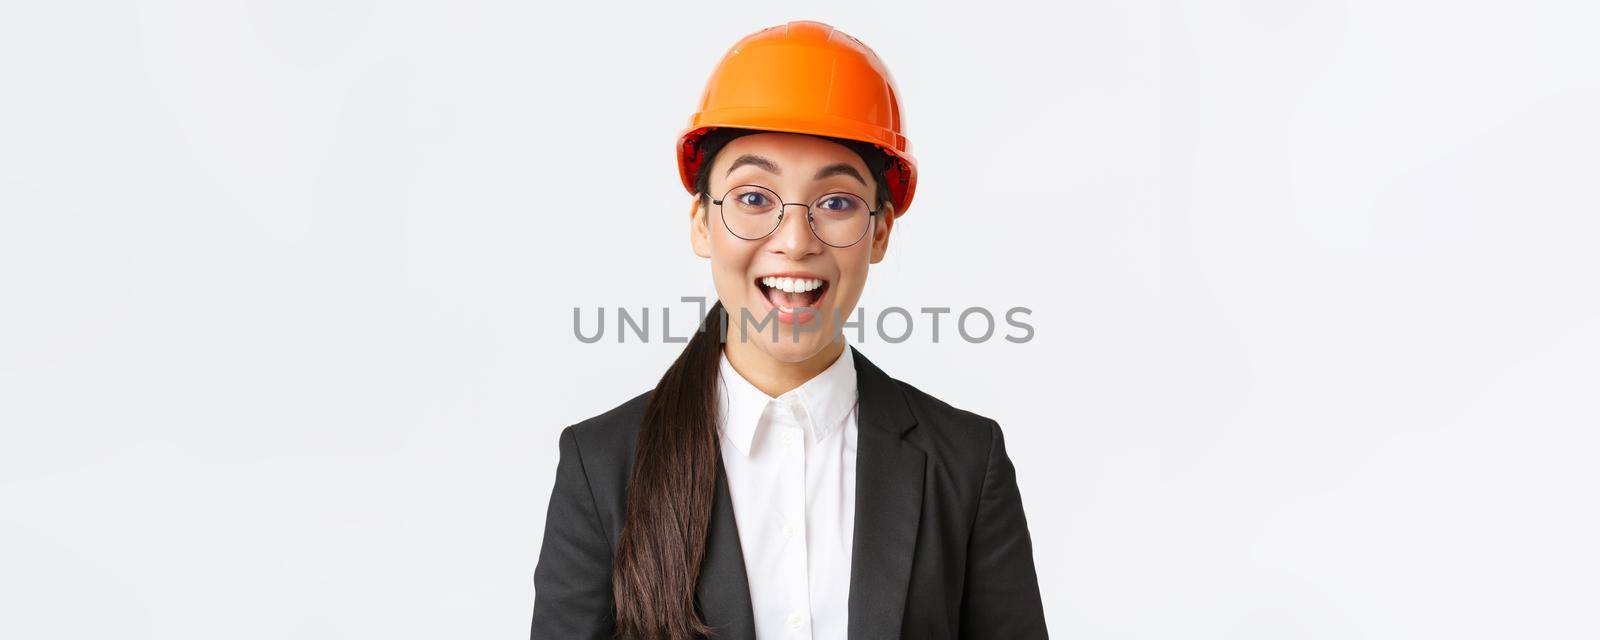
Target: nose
{"type": "Point", "coordinates": [794, 237]}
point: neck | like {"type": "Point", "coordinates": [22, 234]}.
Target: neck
{"type": "Point", "coordinates": [775, 377]}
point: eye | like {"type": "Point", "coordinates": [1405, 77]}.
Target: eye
{"type": "Point", "coordinates": [750, 200]}
{"type": "Point", "coordinates": [839, 204]}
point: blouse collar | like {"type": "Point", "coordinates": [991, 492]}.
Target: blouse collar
{"type": "Point", "coordinates": [827, 399]}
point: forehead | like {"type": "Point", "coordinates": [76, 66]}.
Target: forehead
{"type": "Point", "coordinates": [788, 150]}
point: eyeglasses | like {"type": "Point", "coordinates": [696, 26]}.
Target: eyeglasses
{"type": "Point", "coordinates": [838, 219]}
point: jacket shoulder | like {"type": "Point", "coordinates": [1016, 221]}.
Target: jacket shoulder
{"type": "Point", "coordinates": [948, 429]}
{"type": "Point", "coordinates": [612, 432]}
{"type": "Point", "coordinates": [932, 405]}
{"type": "Point", "coordinates": [604, 445]}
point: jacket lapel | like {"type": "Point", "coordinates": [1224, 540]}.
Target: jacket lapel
{"type": "Point", "coordinates": [724, 588]}
{"type": "Point", "coordinates": [889, 483]}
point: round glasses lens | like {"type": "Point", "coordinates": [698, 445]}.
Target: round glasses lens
{"type": "Point", "coordinates": [840, 218]}
{"type": "Point", "coordinates": [750, 211]}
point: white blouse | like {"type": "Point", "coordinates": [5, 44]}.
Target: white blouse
{"type": "Point", "coordinates": [791, 466]}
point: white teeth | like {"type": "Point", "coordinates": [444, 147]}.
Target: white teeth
{"type": "Point", "coordinates": [792, 285]}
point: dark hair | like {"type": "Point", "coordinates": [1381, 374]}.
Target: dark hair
{"type": "Point", "coordinates": [673, 485]}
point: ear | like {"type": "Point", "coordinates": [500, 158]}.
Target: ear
{"type": "Point", "coordinates": [880, 233]}
{"type": "Point", "coordinates": [699, 230]}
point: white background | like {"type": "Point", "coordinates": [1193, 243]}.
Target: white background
{"type": "Point", "coordinates": [286, 297]}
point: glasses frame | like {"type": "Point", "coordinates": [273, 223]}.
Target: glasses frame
{"type": "Point", "coordinates": [811, 220]}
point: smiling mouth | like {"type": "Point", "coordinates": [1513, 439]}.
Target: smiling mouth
{"type": "Point", "coordinates": [788, 294]}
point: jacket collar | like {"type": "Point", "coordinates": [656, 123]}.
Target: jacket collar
{"type": "Point", "coordinates": [889, 488]}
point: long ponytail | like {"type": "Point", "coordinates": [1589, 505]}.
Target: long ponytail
{"type": "Point", "coordinates": [670, 496]}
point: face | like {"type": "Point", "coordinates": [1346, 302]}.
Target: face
{"type": "Point", "coordinates": [799, 169]}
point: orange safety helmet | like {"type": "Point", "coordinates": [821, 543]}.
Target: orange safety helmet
{"type": "Point", "coordinates": [805, 77]}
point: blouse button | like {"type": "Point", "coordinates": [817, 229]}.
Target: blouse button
{"type": "Point", "coordinates": [794, 621]}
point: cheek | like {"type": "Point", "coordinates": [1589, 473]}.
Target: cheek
{"type": "Point", "coordinates": [725, 243]}
{"type": "Point", "coordinates": [730, 258]}
{"type": "Point", "coordinates": [853, 265]}
{"type": "Point", "coordinates": [857, 257]}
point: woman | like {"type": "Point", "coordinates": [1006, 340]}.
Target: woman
{"type": "Point", "coordinates": [775, 483]}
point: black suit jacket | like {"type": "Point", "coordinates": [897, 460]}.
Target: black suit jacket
{"type": "Point", "coordinates": [941, 548]}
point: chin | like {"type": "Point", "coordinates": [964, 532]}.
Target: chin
{"type": "Point", "coordinates": [788, 350]}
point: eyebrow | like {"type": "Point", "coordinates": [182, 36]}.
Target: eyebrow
{"type": "Point", "coordinates": [756, 160]}
{"type": "Point", "coordinates": [836, 169]}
